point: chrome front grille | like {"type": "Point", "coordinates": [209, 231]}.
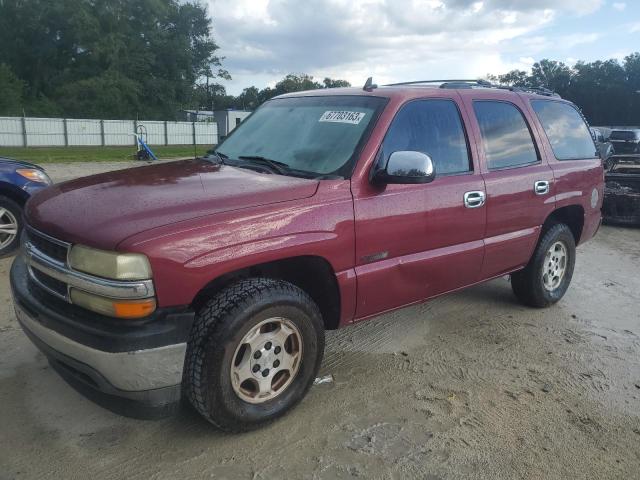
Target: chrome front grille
{"type": "Point", "coordinates": [49, 283]}
{"type": "Point", "coordinates": [49, 246]}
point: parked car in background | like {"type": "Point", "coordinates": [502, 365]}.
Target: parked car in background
{"type": "Point", "coordinates": [605, 148]}
{"type": "Point", "coordinates": [625, 141]}
{"type": "Point", "coordinates": [18, 181]}
{"type": "Point", "coordinates": [597, 135]}
{"type": "Point", "coordinates": [622, 190]}
{"type": "Point", "coordinates": [215, 278]}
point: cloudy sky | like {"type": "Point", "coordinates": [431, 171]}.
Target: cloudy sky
{"type": "Point", "coordinates": [396, 40]}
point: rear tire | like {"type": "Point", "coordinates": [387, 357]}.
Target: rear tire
{"type": "Point", "coordinates": [548, 274]}
{"type": "Point", "coordinates": [10, 226]}
{"type": "Point", "coordinates": [259, 323]}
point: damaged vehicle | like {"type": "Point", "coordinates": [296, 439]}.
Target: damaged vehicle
{"type": "Point", "coordinates": [605, 149]}
{"type": "Point", "coordinates": [622, 190]}
{"type": "Point", "coordinates": [625, 141]}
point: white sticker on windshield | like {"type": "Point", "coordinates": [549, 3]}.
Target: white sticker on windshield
{"type": "Point", "coordinates": [342, 116]}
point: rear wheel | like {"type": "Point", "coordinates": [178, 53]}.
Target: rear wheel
{"type": "Point", "coordinates": [548, 274]}
{"type": "Point", "coordinates": [10, 226]}
{"type": "Point", "coordinates": [253, 353]}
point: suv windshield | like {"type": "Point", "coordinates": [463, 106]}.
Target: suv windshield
{"type": "Point", "coordinates": [316, 135]}
{"type": "Point", "coordinates": [623, 135]}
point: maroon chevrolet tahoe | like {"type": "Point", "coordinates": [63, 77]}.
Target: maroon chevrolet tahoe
{"type": "Point", "coordinates": [214, 279]}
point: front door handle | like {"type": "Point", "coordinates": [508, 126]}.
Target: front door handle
{"type": "Point", "coordinates": [474, 199]}
{"type": "Point", "coordinates": [541, 187]}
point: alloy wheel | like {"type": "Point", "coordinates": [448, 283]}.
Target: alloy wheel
{"type": "Point", "coordinates": [555, 265]}
{"type": "Point", "coordinates": [267, 360]}
{"type": "Point", "coordinates": [8, 227]}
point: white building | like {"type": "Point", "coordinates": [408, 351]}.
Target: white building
{"type": "Point", "coordinates": [227, 120]}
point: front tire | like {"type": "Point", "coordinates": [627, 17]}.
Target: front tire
{"type": "Point", "coordinates": [253, 353]}
{"type": "Point", "coordinates": [10, 226]}
{"type": "Point", "coordinates": [548, 274]}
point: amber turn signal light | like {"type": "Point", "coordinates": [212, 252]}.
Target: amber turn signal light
{"type": "Point", "coordinates": [135, 309]}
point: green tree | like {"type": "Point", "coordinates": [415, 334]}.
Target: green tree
{"type": "Point", "coordinates": [251, 97]}
{"type": "Point", "coordinates": [108, 57]}
{"type": "Point", "coordinates": [332, 83]}
{"type": "Point", "coordinates": [605, 90]}
{"type": "Point", "coordinates": [551, 74]}
{"type": "Point", "coordinates": [10, 92]}
{"type": "Point", "coordinates": [516, 78]}
{"type": "Point", "coordinates": [600, 88]}
{"type": "Point", "coordinates": [296, 83]}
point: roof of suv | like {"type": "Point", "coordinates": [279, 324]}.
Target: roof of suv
{"type": "Point", "coordinates": [409, 90]}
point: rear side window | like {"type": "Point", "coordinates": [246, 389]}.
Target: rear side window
{"type": "Point", "coordinates": [433, 127]}
{"type": "Point", "coordinates": [566, 130]}
{"type": "Point", "coordinates": [506, 137]}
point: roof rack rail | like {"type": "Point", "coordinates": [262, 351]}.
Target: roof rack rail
{"type": "Point", "coordinates": [538, 90]}
{"type": "Point", "coordinates": [478, 83]}
{"type": "Point", "coordinates": [443, 82]}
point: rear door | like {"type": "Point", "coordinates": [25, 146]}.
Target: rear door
{"type": "Point", "coordinates": [518, 180]}
{"type": "Point", "coordinates": [417, 241]}
{"type": "Point", "coordinates": [573, 157]}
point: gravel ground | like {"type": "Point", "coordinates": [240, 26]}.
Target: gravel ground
{"type": "Point", "coordinates": [470, 385]}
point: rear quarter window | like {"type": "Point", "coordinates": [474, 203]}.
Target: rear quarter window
{"type": "Point", "coordinates": [566, 130]}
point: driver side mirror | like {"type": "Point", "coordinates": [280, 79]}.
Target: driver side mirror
{"type": "Point", "coordinates": [406, 167]}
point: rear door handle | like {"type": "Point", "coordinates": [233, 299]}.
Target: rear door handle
{"type": "Point", "coordinates": [541, 187]}
{"type": "Point", "coordinates": [474, 199]}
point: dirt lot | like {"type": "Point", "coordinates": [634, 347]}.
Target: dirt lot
{"type": "Point", "coordinates": [471, 385]}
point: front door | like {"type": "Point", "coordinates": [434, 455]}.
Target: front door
{"type": "Point", "coordinates": [417, 241]}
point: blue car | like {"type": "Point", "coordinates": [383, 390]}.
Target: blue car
{"type": "Point", "coordinates": [18, 181]}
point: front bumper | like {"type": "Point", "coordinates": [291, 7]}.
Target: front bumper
{"type": "Point", "coordinates": [133, 368]}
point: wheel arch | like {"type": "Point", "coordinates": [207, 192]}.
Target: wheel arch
{"type": "Point", "coordinates": [14, 193]}
{"type": "Point", "coordinates": [313, 274]}
{"type": "Point", "coordinates": [570, 215]}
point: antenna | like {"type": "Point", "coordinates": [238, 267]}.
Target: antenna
{"type": "Point", "coordinates": [369, 85]}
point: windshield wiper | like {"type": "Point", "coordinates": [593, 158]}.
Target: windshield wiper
{"type": "Point", "coordinates": [216, 157]}
{"type": "Point", "coordinates": [279, 167]}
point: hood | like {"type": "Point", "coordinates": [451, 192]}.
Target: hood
{"type": "Point", "coordinates": [102, 210]}
{"type": "Point", "coordinates": [18, 163]}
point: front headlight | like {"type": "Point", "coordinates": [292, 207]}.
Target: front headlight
{"type": "Point", "coordinates": [34, 175]}
{"type": "Point", "coordinates": [111, 265]}
{"type": "Point", "coordinates": [113, 307]}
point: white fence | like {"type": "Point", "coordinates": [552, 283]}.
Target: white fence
{"type": "Point", "coordinates": [62, 132]}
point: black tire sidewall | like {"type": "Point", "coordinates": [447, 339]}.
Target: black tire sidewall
{"type": "Point", "coordinates": [16, 210]}
{"type": "Point", "coordinates": [557, 233]}
{"type": "Point", "coordinates": [223, 402]}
